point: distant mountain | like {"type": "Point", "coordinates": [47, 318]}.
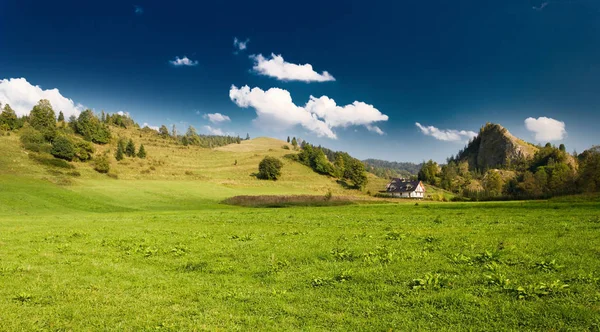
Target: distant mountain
{"type": "Point", "coordinates": [495, 147]}
{"type": "Point", "coordinates": [390, 169]}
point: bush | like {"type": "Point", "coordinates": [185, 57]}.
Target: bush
{"type": "Point", "coordinates": [84, 150]}
{"type": "Point", "coordinates": [63, 148]}
{"type": "Point", "coordinates": [101, 164]}
{"type": "Point", "coordinates": [269, 168]}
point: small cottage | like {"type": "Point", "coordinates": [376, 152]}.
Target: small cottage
{"type": "Point", "coordinates": [406, 188]}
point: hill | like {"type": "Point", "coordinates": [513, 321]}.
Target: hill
{"type": "Point", "coordinates": [495, 147]}
{"type": "Point", "coordinates": [390, 169]}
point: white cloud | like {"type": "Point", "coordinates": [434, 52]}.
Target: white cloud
{"type": "Point", "coordinates": [22, 96]}
{"type": "Point", "coordinates": [276, 110]}
{"type": "Point", "coordinates": [138, 10]}
{"type": "Point", "coordinates": [239, 44]}
{"type": "Point", "coordinates": [285, 71]}
{"type": "Point", "coordinates": [546, 129]}
{"type": "Point", "coordinates": [185, 61]}
{"type": "Point", "coordinates": [375, 129]}
{"type": "Point", "coordinates": [149, 126]}
{"type": "Point", "coordinates": [217, 117]}
{"type": "Point", "coordinates": [214, 131]}
{"type": "Point", "coordinates": [449, 135]}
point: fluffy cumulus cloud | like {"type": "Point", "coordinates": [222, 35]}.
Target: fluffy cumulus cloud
{"type": "Point", "coordinates": [22, 96]}
{"type": "Point", "coordinates": [185, 61]}
{"type": "Point", "coordinates": [217, 117]}
{"type": "Point", "coordinates": [214, 131]}
{"type": "Point", "coordinates": [546, 129]}
{"type": "Point", "coordinates": [240, 45]}
{"type": "Point", "coordinates": [449, 135]}
{"type": "Point", "coordinates": [275, 109]}
{"type": "Point", "coordinates": [277, 67]}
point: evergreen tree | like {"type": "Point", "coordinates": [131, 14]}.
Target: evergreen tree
{"type": "Point", "coordinates": [120, 149]}
{"type": "Point", "coordinates": [89, 126]}
{"type": "Point", "coordinates": [247, 136]}
{"type": "Point", "coordinates": [103, 117]}
{"type": "Point", "coordinates": [142, 152]}
{"type": "Point", "coordinates": [102, 164]}
{"type": "Point", "coordinates": [63, 148]}
{"type": "Point", "coordinates": [61, 117]}
{"type": "Point", "coordinates": [130, 149]}
{"type": "Point", "coordinates": [288, 140]}
{"type": "Point", "coordinates": [294, 142]}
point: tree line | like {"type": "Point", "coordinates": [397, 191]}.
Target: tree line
{"type": "Point", "coordinates": [550, 172]}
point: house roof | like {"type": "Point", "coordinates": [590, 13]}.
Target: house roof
{"type": "Point", "coordinates": [402, 186]}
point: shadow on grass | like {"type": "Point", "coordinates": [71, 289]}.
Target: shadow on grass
{"type": "Point", "coordinates": [280, 201]}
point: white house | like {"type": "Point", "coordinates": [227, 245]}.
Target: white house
{"type": "Point", "coordinates": [406, 188]}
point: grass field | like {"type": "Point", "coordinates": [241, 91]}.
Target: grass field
{"type": "Point", "coordinates": [160, 251]}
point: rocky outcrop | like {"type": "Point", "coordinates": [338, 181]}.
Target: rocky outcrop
{"type": "Point", "coordinates": [495, 147]}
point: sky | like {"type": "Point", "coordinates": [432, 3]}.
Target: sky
{"type": "Point", "coordinates": [394, 80]}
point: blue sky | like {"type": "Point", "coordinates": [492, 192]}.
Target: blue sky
{"type": "Point", "coordinates": [450, 66]}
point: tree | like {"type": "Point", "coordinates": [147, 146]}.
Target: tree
{"type": "Point", "coordinates": [83, 150]}
{"type": "Point", "coordinates": [192, 136]}
{"type": "Point", "coordinates": [288, 140]}
{"type": "Point", "coordinates": [61, 117]}
{"type": "Point", "coordinates": [294, 142]}
{"type": "Point", "coordinates": [120, 149]}
{"type": "Point", "coordinates": [247, 136]}
{"type": "Point", "coordinates": [43, 119]}
{"type": "Point", "coordinates": [63, 148]}
{"type": "Point", "coordinates": [163, 131]}
{"type": "Point", "coordinates": [562, 148]}
{"type": "Point", "coordinates": [130, 149]}
{"type": "Point", "coordinates": [429, 173]}
{"type": "Point", "coordinates": [102, 164]}
{"type": "Point", "coordinates": [174, 131]}
{"type": "Point", "coordinates": [492, 183]}
{"type": "Point", "coordinates": [269, 168]}
{"type": "Point", "coordinates": [9, 118]}
{"type": "Point", "coordinates": [89, 126]}
{"type": "Point", "coordinates": [142, 152]}
{"type": "Point", "coordinates": [355, 172]}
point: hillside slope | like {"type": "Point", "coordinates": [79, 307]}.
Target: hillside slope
{"type": "Point", "coordinates": [171, 177]}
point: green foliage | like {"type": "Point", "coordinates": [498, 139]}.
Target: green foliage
{"type": "Point", "coordinates": [42, 118]}
{"type": "Point", "coordinates": [91, 128]}
{"type": "Point", "coordinates": [130, 149]}
{"type": "Point", "coordinates": [294, 142]}
{"type": "Point", "coordinates": [492, 183]}
{"type": "Point", "coordinates": [269, 168]}
{"type": "Point", "coordinates": [120, 153]}
{"type": "Point", "coordinates": [429, 173]}
{"type": "Point", "coordinates": [354, 171]}
{"type": "Point", "coordinates": [61, 116]}
{"type": "Point", "coordinates": [102, 164]}
{"type": "Point", "coordinates": [163, 131]}
{"type": "Point", "coordinates": [33, 140]}
{"type": "Point", "coordinates": [142, 152]}
{"type": "Point", "coordinates": [8, 118]}
{"type": "Point", "coordinates": [63, 148]}
{"type": "Point", "coordinates": [83, 150]}
{"type": "Point", "coordinates": [119, 120]}
{"type": "Point", "coordinates": [431, 281]}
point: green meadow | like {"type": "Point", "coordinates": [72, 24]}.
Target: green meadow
{"type": "Point", "coordinates": [156, 249]}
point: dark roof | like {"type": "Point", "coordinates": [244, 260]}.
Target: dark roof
{"type": "Point", "coordinates": [402, 186]}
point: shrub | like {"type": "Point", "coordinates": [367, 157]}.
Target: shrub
{"type": "Point", "coordinates": [63, 148]}
{"type": "Point", "coordinates": [101, 164]}
{"type": "Point", "coordinates": [130, 149]}
{"type": "Point", "coordinates": [142, 152]}
{"type": "Point", "coordinates": [269, 168]}
{"type": "Point", "coordinates": [83, 150]}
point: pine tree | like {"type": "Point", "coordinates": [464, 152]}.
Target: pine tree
{"type": "Point", "coordinates": [119, 154]}
{"type": "Point", "coordinates": [61, 116]}
{"type": "Point", "coordinates": [288, 140]}
{"type": "Point", "coordinates": [130, 149]}
{"type": "Point", "coordinates": [142, 153]}
{"type": "Point", "coordinates": [247, 137]}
